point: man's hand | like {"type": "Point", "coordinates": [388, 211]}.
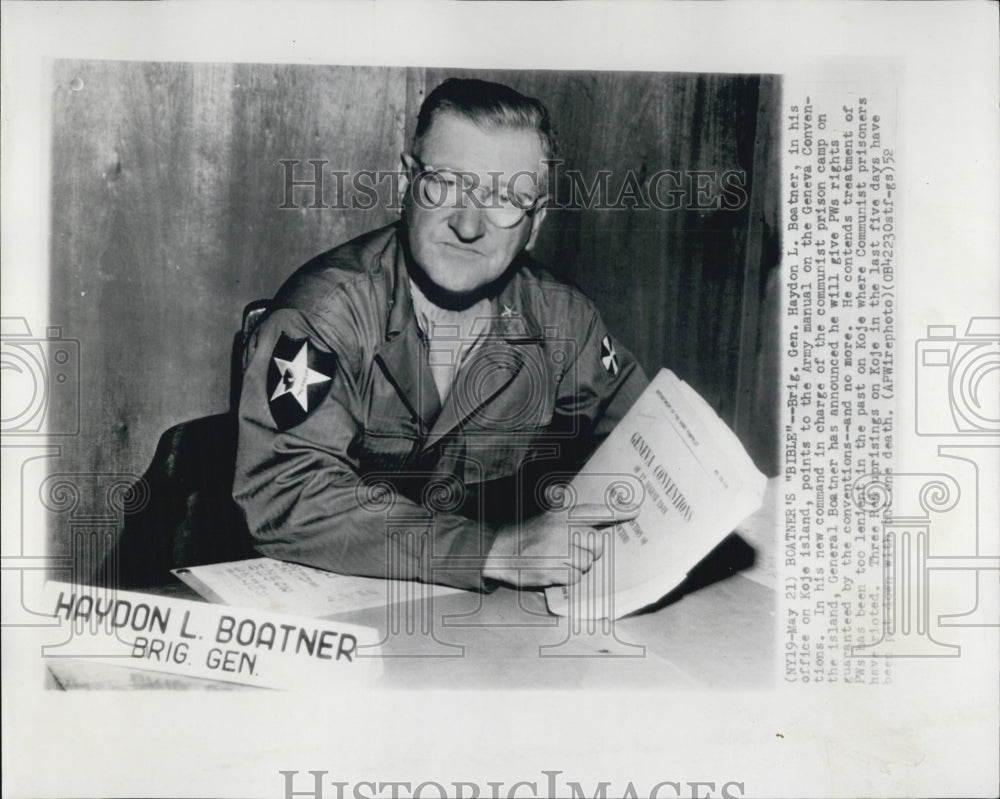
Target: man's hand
{"type": "Point", "coordinates": [542, 551]}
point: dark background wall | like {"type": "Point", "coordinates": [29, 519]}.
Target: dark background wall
{"type": "Point", "coordinates": [166, 222]}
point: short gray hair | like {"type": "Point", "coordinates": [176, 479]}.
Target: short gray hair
{"type": "Point", "coordinates": [489, 105]}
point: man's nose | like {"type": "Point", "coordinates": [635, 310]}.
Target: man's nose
{"type": "Point", "coordinates": [467, 221]}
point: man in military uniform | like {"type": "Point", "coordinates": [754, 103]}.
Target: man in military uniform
{"type": "Point", "coordinates": [410, 395]}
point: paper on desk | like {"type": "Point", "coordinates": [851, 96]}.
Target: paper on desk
{"type": "Point", "coordinates": [278, 586]}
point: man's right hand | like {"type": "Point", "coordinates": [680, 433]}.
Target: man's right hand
{"type": "Point", "coordinates": [545, 550]}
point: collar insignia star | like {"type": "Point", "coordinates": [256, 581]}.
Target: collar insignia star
{"type": "Point", "coordinates": [298, 379]}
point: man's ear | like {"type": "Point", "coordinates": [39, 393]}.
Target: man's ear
{"type": "Point", "coordinates": [406, 164]}
{"type": "Point", "coordinates": [536, 222]}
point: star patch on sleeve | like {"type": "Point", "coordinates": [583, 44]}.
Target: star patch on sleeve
{"type": "Point", "coordinates": [608, 356]}
{"type": "Point", "coordinates": [299, 376]}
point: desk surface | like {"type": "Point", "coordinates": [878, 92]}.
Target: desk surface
{"type": "Point", "coordinates": [718, 631]}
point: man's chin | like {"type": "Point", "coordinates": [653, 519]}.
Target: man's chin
{"type": "Point", "coordinates": [452, 294]}
{"type": "Point", "coordinates": [453, 297]}
{"type": "Point", "coordinates": [440, 286]}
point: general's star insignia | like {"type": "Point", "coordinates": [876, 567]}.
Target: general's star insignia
{"type": "Point", "coordinates": [608, 356]}
{"type": "Point", "coordinates": [508, 312]}
{"type": "Point", "coordinates": [298, 378]}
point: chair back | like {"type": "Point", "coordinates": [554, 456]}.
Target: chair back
{"type": "Point", "coordinates": [191, 518]}
{"type": "Point", "coordinates": [252, 314]}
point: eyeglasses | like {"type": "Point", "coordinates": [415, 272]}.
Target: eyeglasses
{"type": "Point", "coordinates": [442, 187]}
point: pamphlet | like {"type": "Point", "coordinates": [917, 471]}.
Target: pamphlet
{"type": "Point", "coordinates": [693, 483]}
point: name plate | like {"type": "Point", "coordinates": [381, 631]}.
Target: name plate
{"type": "Point", "coordinates": [213, 642]}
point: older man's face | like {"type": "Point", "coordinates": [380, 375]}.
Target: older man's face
{"type": "Point", "coordinates": [458, 247]}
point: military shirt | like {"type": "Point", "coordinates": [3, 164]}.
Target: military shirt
{"type": "Point", "coordinates": [347, 459]}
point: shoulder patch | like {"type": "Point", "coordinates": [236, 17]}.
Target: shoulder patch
{"type": "Point", "coordinates": [608, 356]}
{"type": "Point", "coordinates": [299, 376]}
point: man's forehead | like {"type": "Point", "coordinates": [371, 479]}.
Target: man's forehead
{"type": "Point", "coordinates": [456, 142]}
